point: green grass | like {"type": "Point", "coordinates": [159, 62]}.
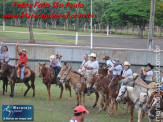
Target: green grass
{"type": "Point", "coordinates": [58, 110]}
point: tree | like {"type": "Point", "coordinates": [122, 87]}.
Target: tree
{"type": "Point", "coordinates": [122, 12]}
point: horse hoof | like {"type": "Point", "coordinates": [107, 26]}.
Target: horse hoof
{"type": "Point", "coordinates": [94, 105]}
{"type": "Point", "coordinates": [70, 98]}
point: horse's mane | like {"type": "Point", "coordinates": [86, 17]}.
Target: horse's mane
{"type": "Point", "coordinates": [142, 82]}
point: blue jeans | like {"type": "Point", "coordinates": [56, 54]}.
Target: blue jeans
{"type": "Point", "coordinates": [22, 72]}
{"type": "Point", "coordinates": [57, 70]}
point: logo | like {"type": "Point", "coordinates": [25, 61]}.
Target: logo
{"type": "Point", "coordinates": [17, 112]}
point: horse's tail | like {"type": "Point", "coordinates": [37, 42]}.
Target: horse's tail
{"type": "Point", "coordinates": [33, 74]}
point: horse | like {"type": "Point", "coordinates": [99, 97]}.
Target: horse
{"type": "Point", "coordinates": [12, 77]}
{"type": "Point", "coordinates": [101, 85]}
{"type": "Point", "coordinates": [4, 79]}
{"type": "Point", "coordinates": [140, 87]}
{"type": "Point", "coordinates": [48, 76]}
{"type": "Point", "coordinates": [102, 70]}
{"type": "Point", "coordinates": [156, 110]}
{"type": "Point", "coordinates": [77, 83]}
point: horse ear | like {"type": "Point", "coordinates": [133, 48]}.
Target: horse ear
{"type": "Point", "coordinates": [135, 75]}
{"type": "Point", "coordinates": [44, 64]}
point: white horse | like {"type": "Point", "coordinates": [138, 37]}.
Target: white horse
{"type": "Point", "coordinates": [131, 93]}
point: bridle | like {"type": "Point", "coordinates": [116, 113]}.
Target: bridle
{"type": "Point", "coordinates": [66, 74]}
{"type": "Point", "coordinates": [121, 96]}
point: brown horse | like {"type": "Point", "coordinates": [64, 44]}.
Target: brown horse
{"type": "Point", "coordinates": [102, 70]}
{"type": "Point", "coordinates": [49, 77]}
{"type": "Point", "coordinates": [90, 79]}
{"type": "Point", "coordinates": [101, 85]}
{"type": "Point", "coordinates": [77, 83]}
{"type": "Point", "coordinates": [12, 77]}
{"type": "Point", "coordinates": [4, 79]}
{"type": "Point", "coordinates": [64, 68]}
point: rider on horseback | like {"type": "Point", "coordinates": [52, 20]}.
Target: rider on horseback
{"type": "Point", "coordinates": [4, 55]}
{"type": "Point", "coordinates": [116, 69]}
{"type": "Point", "coordinates": [126, 71]}
{"type": "Point", "coordinates": [22, 62]}
{"type": "Point", "coordinates": [55, 63]}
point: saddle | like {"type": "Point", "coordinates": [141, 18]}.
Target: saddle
{"type": "Point", "coordinates": [27, 72]}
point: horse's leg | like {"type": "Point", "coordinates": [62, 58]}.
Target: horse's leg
{"type": "Point", "coordinates": [97, 97]}
{"type": "Point", "coordinates": [77, 97]}
{"type": "Point", "coordinates": [139, 115]}
{"type": "Point", "coordinates": [112, 107]}
{"type": "Point", "coordinates": [131, 112]}
{"type": "Point", "coordinates": [3, 87]}
{"type": "Point", "coordinates": [83, 98]}
{"type": "Point", "coordinates": [33, 83]}
{"type": "Point", "coordinates": [48, 88]}
{"type": "Point", "coordinates": [101, 104]}
{"type": "Point", "coordinates": [80, 98]}
{"type": "Point", "coordinates": [61, 86]}
{"type": "Point", "coordinates": [28, 87]}
{"type": "Point", "coordinates": [12, 89]}
{"type": "Point", "coordinates": [6, 84]}
{"type": "Point", "coordinates": [128, 108]}
{"type": "Point", "coordinates": [116, 107]}
{"type": "Point", "coordinates": [69, 88]}
{"type": "Point", "coordinates": [106, 102]}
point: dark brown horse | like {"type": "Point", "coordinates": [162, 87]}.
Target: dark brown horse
{"type": "Point", "coordinates": [49, 78]}
{"type": "Point", "coordinates": [102, 70]}
{"type": "Point", "coordinates": [4, 79]}
{"type": "Point", "coordinates": [12, 77]}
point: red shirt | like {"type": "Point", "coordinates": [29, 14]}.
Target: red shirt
{"type": "Point", "coordinates": [74, 119]}
{"type": "Point", "coordinates": [22, 59]}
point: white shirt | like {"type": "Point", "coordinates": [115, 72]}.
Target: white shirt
{"type": "Point", "coordinates": [94, 65]}
{"type": "Point", "coordinates": [149, 75]}
{"type": "Point", "coordinates": [117, 71]}
{"type": "Point", "coordinates": [110, 62]}
{"type": "Point", "coordinates": [84, 63]}
{"type": "Point", "coordinates": [127, 72]}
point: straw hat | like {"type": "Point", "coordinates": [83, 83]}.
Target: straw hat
{"type": "Point", "coordinates": [126, 63]}
{"type": "Point", "coordinates": [92, 55]}
{"type": "Point", "coordinates": [51, 57]}
{"type": "Point", "coordinates": [106, 58]}
{"type": "Point", "coordinates": [24, 50]}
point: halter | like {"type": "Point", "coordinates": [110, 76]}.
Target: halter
{"type": "Point", "coordinates": [66, 74]}
{"type": "Point", "coordinates": [121, 96]}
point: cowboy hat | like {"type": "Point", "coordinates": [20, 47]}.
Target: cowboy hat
{"type": "Point", "coordinates": [51, 57]}
{"type": "Point", "coordinates": [106, 58]}
{"type": "Point", "coordinates": [24, 50]}
{"type": "Point", "coordinates": [126, 63]}
{"type": "Point", "coordinates": [92, 55]}
{"type": "Point", "coordinates": [150, 65]}
{"type": "Point", "coordinates": [117, 59]}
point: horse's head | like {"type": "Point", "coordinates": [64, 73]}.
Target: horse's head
{"type": "Point", "coordinates": [64, 68]}
{"type": "Point", "coordinates": [41, 69]}
{"type": "Point", "coordinates": [114, 81]}
{"type": "Point", "coordinates": [65, 76]}
{"type": "Point", "coordinates": [3, 67]}
{"type": "Point", "coordinates": [142, 99]}
{"type": "Point", "coordinates": [122, 93]}
{"type": "Point", "coordinates": [98, 83]}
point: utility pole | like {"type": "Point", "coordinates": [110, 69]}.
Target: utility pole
{"type": "Point", "coordinates": [77, 27]}
{"type": "Point", "coordinates": [151, 25]}
{"type": "Point", "coordinates": [3, 14]}
{"type": "Point", "coordinates": [91, 28]}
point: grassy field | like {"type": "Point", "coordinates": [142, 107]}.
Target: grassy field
{"type": "Point", "coordinates": [47, 34]}
{"type": "Point", "coordinates": [58, 110]}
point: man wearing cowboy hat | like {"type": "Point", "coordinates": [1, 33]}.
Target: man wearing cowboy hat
{"type": "Point", "coordinates": [126, 71]}
{"type": "Point", "coordinates": [109, 62]}
{"type": "Point", "coordinates": [22, 62]}
{"type": "Point", "coordinates": [93, 65]}
{"type": "Point", "coordinates": [84, 63]}
{"type": "Point", "coordinates": [147, 73]}
{"type": "Point", "coordinates": [116, 69]}
{"type": "Point", "coordinates": [4, 55]}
